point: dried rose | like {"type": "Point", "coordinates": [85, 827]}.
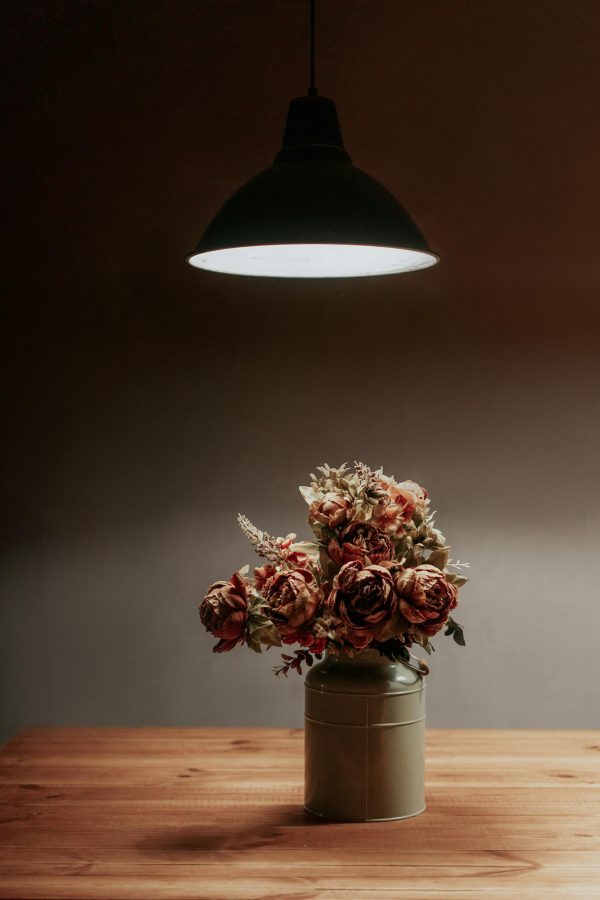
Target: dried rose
{"type": "Point", "coordinates": [360, 541]}
{"type": "Point", "coordinates": [426, 597]}
{"type": "Point", "coordinates": [332, 510]}
{"type": "Point", "coordinates": [363, 598]}
{"type": "Point", "coordinates": [293, 598]}
{"type": "Point", "coordinates": [224, 611]}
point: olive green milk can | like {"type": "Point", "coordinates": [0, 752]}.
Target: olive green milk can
{"type": "Point", "coordinates": [364, 739]}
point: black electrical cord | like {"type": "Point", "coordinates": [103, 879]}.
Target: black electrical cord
{"type": "Point", "coordinates": [312, 90]}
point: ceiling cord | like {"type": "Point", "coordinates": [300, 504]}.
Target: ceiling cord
{"type": "Point", "coordinates": [312, 90]}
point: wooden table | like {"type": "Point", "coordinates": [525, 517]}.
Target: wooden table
{"type": "Point", "coordinates": [217, 813]}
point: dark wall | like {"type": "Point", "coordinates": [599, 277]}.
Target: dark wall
{"type": "Point", "coordinates": [147, 402]}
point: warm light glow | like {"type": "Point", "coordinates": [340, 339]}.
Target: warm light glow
{"type": "Point", "coordinates": [312, 260]}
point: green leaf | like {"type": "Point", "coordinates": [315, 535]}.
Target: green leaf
{"type": "Point", "coordinates": [459, 636]}
{"type": "Point", "coordinates": [308, 494]}
{"type": "Point", "coordinates": [253, 644]}
{"type": "Point", "coordinates": [438, 558]}
{"type": "Point", "coordinates": [412, 558]}
{"type": "Point", "coordinates": [456, 630]}
{"type": "Point", "coordinates": [458, 580]}
{"type": "Point", "coordinates": [267, 635]}
{"type": "Point", "coordinates": [255, 604]}
{"type": "Point", "coordinates": [421, 534]}
{"type": "Point", "coordinates": [262, 631]}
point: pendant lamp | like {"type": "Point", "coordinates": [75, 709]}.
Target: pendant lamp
{"type": "Point", "coordinates": [312, 214]}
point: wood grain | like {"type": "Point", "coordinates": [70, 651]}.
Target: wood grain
{"type": "Point", "coordinates": [216, 814]}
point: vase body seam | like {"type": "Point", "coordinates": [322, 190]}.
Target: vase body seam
{"type": "Point", "coordinates": [366, 726]}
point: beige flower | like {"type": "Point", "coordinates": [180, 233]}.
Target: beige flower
{"type": "Point", "coordinates": [426, 597]}
{"type": "Point", "coordinates": [397, 508]}
{"type": "Point", "coordinates": [421, 495]}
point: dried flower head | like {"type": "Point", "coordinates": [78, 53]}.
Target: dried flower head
{"type": "Point", "coordinates": [224, 611]}
{"type": "Point", "coordinates": [377, 574]}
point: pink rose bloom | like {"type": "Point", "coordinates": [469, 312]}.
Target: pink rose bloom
{"type": "Point", "coordinates": [333, 510]}
{"type": "Point", "coordinates": [224, 611]}
{"type": "Point", "coordinates": [419, 492]}
{"type": "Point", "coordinates": [360, 541]}
{"type": "Point", "coordinates": [293, 597]}
{"type": "Point", "coordinates": [297, 559]}
{"type": "Point", "coordinates": [395, 510]}
{"type": "Point", "coordinates": [363, 598]}
{"type": "Point", "coordinates": [426, 597]}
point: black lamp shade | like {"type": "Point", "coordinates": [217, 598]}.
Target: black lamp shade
{"type": "Point", "coordinates": [312, 213]}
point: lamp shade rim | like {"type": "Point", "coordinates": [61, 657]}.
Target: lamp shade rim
{"type": "Point", "coordinates": [312, 259]}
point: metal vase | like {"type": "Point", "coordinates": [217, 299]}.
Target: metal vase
{"type": "Point", "coordinates": [364, 739]}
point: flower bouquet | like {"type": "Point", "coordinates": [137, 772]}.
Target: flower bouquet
{"type": "Point", "coordinates": [377, 575]}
